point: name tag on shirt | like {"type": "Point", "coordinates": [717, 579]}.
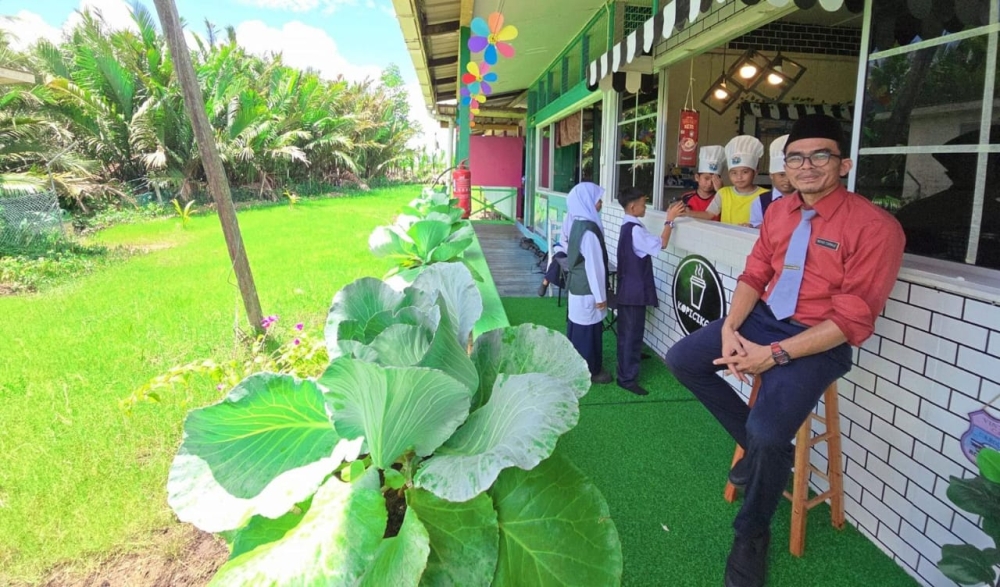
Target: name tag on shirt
{"type": "Point", "coordinates": [828, 244]}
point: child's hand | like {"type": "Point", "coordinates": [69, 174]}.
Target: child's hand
{"type": "Point", "coordinates": [717, 182]}
{"type": "Point", "coordinates": [676, 209]}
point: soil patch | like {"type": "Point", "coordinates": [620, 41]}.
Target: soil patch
{"type": "Point", "coordinates": [180, 556]}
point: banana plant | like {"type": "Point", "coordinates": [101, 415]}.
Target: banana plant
{"type": "Point", "coordinates": [409, 461]}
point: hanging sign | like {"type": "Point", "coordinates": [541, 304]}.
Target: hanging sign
{"type": "Point", "coordinates": [983, 432]}
{"type": "Point", "coordinates": [687, 145]}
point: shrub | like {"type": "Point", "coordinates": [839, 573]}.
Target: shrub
{"type": "Point", "coordinates": [409, 460]}
{"type": "Point", "coordinates": [964, 563]}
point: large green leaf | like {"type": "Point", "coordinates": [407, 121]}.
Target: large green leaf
{"type": "Point", "coordinates": [448, 354]}
{"type": "Point", "coordinates": [333, 544]}
{"type": "Point", "coordinates": [555, 529]}
{"type": "Point", "coordinates": [400, 560]}
{"type": "Point", "coordinates": [261, 530]}
{"type": "Point", "coordinates": [389, 241]}
{"type": "Point", "coordinates": [265, 447]}
{"type": "Point", "coordinates": [401, 345]}
{"type": "Point", "coordinates": [428, 235]}
{"type": "Point", "coordinates": [463, 538]}
{"type": "Point", "coordinates": [527, 348]}
{"type": "Point", "coordinates": [967, 565]}
{"type": "Point", "coordinates": [519, 426]}
{"type": "Point", "coordinates": [976, 495]}
{"type": "Point", "coordinates": [988, 461]}
{"type": "Point", "coordinates": [394, 408]}
{"type": "Point", "coordinates": [449, 251]}
{"type": "Point", "coordinates": [462, 299]}
{"type": "Point", "coordinates": [359, 301]}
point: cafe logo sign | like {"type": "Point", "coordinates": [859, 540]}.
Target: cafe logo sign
{"type": "Point", "coordinates": [698, 294]}
{"type": "Point", "coordinates": [983, 432]}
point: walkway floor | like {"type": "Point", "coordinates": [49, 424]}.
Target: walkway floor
{"type": "Point", "coordinates": [515, 270]}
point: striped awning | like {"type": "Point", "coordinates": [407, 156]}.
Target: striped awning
{"type": "Point", "coordinates": [674, 17]}
{"type": "Point", "coordinates": [796, 111]}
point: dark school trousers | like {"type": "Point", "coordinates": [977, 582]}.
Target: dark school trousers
{"type": "Point", "coordinates": [787, 394]}
{"type": "Point", "coordinates": [587, 340]}
{"type": "Point", "coordinates": [631, 326]}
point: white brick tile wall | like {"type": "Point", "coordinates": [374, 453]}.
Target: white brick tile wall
{"type": "Point", "coordinates": [918, 429]}
{"type": "Point", "coordinates": [924, 387]}
{"type": "Point", "coordinates": [953, 377]}
{"type": "Point", "coordinates": [970, 533]}
{"type": "Point", "coordinates": [928, 503]}
{"type": "Point", "coordinates": [898, 396]}
{"type": "Point", "coordinates": [890, 329]}
{"type": "Point", "coordinates": [936, 301]}
{"type": "Point", "coordinates": [930, 344]}
{"type": "Point", "coordinates": [901, 355]}
{"type": "Point", "coordinates": [981, 363]}
{"type": "Point", "coordinates": [879, 366]}
{"type": "Point", "coordinates": [958, 331]}
{"type": "Point", "coordinates": [986, 315]}
{"type": "Point", "coordinates": [934, 357]}
{"type": "Point", "coordinates": [910, 513]}
{"type": "Point", "coordinates": [908, 314]}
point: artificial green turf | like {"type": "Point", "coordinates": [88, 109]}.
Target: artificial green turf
{"type": "Point", "coordinates": [661, 463]}
{"type": "Point", "coordinates": [80, 477]}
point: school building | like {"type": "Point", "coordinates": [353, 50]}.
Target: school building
{"type": "Point", "coordinates": [597, 90]}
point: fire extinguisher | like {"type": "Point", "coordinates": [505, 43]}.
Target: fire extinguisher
{"type": "Point", "coordinates": [461, 180]}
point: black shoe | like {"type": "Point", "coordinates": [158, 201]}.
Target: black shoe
{"type": "Point", "coordinates": [544, 287]}
{"type": "Point", "coordinates": [602, 377]}
{"type": "Point", "coordinates": [634, 388]}
{"type": "Point", "coordinates": [747, 562]}
{"type": "Point", "coordinates": [739, 475]}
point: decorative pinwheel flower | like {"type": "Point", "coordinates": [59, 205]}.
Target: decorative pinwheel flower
{"type": "Point", "coordinates": [479, 78]}
{"type": "Point", "coordinates": [491, 37]}
{"type": "Point", "coordinates": [472, 99]}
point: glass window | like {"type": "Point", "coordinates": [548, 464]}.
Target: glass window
{"type": "Point", "coordinates": [636, 160]}
{"type": "Point", "coordinates": [926, 97]}
{"type": "Point", "coordinates": [921, 105]}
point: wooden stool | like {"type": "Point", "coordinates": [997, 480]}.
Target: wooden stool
{"type": "Point", "coordinates": [804, 441]}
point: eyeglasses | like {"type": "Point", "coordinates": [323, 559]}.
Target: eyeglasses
{"type": "Point", "coordinates": [817, 159]}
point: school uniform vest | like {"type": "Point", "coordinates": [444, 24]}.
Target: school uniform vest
{"type": "Point", "coordinates": [635, 275]}
{"type": "Point", "coordinates": [765, 201]}
{"type": "Point", "coordinates": [736, 206]}
{"type": "Point", "coordinates": [576, 280]}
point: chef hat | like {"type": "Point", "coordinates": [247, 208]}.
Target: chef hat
{"type": "Point", "coordinates": [743, 151]}
{"type": "Point", "coordinates": [777, 152]}
{"type": "Point", "coordinates": [711, 159]}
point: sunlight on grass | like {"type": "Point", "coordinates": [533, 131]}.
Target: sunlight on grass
{"type": "Point", "coordinates": [79, 477]}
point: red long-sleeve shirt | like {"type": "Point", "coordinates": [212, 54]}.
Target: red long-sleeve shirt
{"type": "Point", "coordinates": [855, 251]}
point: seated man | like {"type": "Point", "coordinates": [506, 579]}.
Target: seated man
{"type": "Point", "coordinates": [816, 279]}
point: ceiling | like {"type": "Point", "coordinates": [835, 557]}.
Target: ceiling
{"type": "Point", "coordinates": [431, 32]}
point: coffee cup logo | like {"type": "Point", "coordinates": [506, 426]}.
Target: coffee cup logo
{"type": "Point", "coordinates": [699, 297]}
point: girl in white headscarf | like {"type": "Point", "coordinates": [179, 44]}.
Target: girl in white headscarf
{"type": "Point", "coordinates": [588, 276]}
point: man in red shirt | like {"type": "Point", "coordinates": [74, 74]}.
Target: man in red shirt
{"type": "Point", "coordinates": [813, 285]}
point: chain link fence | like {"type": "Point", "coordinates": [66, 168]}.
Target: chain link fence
{"type": "Point", "coordinates": [24, 218]}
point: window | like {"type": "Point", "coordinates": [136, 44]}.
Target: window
{"type": "Point", "coordinates": [636, 160]}
{"type": "Point", "coordinates": [923, 155]}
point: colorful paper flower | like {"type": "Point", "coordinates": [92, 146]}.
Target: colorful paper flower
{"type": "Point", "coordinates": [478, 78]}
{"type": "Point", "coordinates": [491, 37]}
{"type": "Point", "coordinates": [471, 99]}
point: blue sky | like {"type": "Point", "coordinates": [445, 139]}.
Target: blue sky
{"type": "Point", "coordinates": [355, 38]}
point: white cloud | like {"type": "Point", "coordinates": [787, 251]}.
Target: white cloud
{"type": "Point", "coordinates": [26, 28]}
{"type": "Point", "coordinates": [292, 5]}
{"type": "Point", "coordinates": [116, 14]}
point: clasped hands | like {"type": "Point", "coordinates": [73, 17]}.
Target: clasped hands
{"type": "Point", "coordinates": [742, 357]}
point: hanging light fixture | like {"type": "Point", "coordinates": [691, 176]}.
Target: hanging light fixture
{"type": "Point", "coordinates": [778, 78]}
{"type": "Point", "coordinates": [747, 70]}
{"type": "Point", "coordinates": [722, 93]}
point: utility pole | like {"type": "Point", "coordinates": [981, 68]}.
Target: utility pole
{"type": "Point", "coordinates": [218, 184]}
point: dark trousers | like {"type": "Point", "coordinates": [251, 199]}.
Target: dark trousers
{"type": "Point", "coordinates": [587, 340]}
{"type": "Point", "coordinates": [631, 326]}
{"type": "Point", "coordinates": [552, 274]}
{"type": "Point", "coordinates": [787, 394]}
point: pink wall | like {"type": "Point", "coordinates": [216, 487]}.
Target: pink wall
{"type": "Point", "coordinates": [496, 161]}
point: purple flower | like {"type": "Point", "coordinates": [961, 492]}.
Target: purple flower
{"type": "Point", "coordinates": [269, 321]}
{"type": "Point", "coordinates": [296, 342]}
{"type": "Point", "coordinates": [299, 326]}
{"type": "Point", "coordinates": [219, 387]}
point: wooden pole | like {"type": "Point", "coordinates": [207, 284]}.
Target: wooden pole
{"type": "Point", "coordinates": [218, 184]}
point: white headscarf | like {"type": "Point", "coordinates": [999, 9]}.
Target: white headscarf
{"type": "Point", "coordinates": [582, 203]}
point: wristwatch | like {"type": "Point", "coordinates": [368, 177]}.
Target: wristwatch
{"type": "Point", "coordinates": [779, 354]}
{"type": "Point", "coordinates": [669, 223]}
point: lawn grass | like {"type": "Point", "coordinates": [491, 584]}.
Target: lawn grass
{"type": "Point", "coordinates": [79, 477]}
{"type": "Point", "coordinates": [661, 463]}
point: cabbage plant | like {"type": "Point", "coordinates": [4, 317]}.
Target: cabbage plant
{"type": "Point", "coordinates": [429, 230]}
{"type": "Point", "coordinates": [415, 458]}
